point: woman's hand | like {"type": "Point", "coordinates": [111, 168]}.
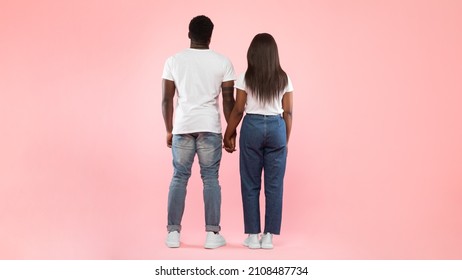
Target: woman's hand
{"type": "Point", "coordinates": [229, 142]}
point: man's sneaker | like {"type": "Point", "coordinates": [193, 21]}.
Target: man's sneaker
{"type": "Point", "coordinates": [252, 241]}
{"type": "Point", "coordinates": [267, 241]}
{"type": "Point", "coordinates": [173, 239]}
{"type": "Point", "coordinates": [214, 240]}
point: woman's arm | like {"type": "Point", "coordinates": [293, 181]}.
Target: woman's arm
{"type": "Point", "coordinates": [287, 101]}
{"type": "Point", "coordinates": [229, 139]}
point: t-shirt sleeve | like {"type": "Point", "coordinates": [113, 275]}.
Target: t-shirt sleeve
{"type": "Point", "coordinates": [229, 72]}
{"type": "Point", "coordinates": [167, 73]}
{"type": "Point", "coordinates": [240, 82]}
{"type": "Point", "coordinates": [289, 86]}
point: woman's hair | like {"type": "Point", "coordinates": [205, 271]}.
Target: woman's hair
{"type": "Point", "coordinates": [264, 76]}
{"type": "Point", "coordinates": [200, 29]}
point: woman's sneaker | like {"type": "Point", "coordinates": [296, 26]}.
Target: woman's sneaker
{"type": "Point", "coordinates": [267, 241]}
{"type": "Point", "coordinates": [252, 241]}
{"type": "Point", "coordinates": [173, 239]}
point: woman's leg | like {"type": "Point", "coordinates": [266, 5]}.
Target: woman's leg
{"type": "Point", "coordinates": [251, 163]}
{"type": "Point", "coordinates": [275, 154]}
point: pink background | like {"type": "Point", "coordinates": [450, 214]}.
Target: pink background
{"type": "Point", "coordinates": [375, 158]}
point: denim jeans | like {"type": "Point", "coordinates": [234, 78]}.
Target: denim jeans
{"type": "Point", "coordinates": [262, 148]}
{"type": "Point", "coordinates": [208, 147]}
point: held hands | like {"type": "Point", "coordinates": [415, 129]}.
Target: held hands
{"type": "Point", "coordinates": [229, 142]}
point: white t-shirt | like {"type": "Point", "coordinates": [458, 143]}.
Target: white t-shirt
{"type": "Point", "coordinates": [198, 75]}
{"type": "Point", "coordinates": [253, 106]}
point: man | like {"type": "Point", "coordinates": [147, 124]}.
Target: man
{"type": "Point", "coordinates": [197, 75]}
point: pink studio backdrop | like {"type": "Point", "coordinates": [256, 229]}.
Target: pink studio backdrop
{"type": "Point", "coordinates": [375, 158]}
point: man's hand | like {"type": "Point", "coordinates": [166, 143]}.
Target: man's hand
{"type": "Point", "coordinates": [169, 139]}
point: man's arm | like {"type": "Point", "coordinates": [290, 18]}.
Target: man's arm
{"type": "Point", "coordinates": [227, 90]}
{"type": "Point", "coordinates": [168, 92]}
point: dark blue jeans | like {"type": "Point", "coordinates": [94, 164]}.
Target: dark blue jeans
{"type": "Point", "coordinates": [262, 148]}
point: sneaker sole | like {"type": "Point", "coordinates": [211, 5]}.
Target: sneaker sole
{"type": "Point", "coordinates": [267, 246]}
{"type": "Point", "coordinates": [253, 246]}
{"type": "Point", "coordinates": [214, 245]}
{"type": "Point", "coordinates": [172, 244]}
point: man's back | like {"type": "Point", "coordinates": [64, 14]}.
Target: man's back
{"type": "Point", "coordinates": [198, 75]}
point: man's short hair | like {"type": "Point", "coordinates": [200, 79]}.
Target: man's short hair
{"type": "Point", "coordinates": [200, 29]}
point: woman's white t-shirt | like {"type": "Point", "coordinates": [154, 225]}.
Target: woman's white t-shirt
{"type": "Point", "coordinates": [254, 106]}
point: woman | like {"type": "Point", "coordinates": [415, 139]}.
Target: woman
{"type": "Point", "coordinates": [264, 93]}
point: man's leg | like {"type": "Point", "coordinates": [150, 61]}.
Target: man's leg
{"type": "Point", "coordinates": [209, 151]}
{"type": "Point", "coordinates": [183, 150]}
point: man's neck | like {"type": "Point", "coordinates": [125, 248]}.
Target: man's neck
{"type": "Point", "coordinates": [201, 46]}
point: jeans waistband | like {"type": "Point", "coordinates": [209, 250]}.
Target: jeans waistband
{"type": "Point", "coordinates": [262, 116]}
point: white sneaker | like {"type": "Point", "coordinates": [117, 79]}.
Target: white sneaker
{"type": "Point", "coordinates": [214, 240]}
{"type": "Point", "coordinates": [267, 241]}
{"type": "Point", "coordinates": [252, 241]}
{"type": "Point", "coordinates": [173, 239]}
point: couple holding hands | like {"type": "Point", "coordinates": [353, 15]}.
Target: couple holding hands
{"type": "Point", "coordinates": [263, 100]}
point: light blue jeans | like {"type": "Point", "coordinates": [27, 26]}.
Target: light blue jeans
{"type": "Point", "coordinates": [208, 147]}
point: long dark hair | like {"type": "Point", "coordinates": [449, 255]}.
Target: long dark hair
{"type": "Point", "coordinates": [264, 76]}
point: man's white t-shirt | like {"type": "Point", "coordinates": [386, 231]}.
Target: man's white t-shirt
{"type": "Point", "coordinates": [198, 75]}
{"type": "Point", "coordinates": [254, 106]}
